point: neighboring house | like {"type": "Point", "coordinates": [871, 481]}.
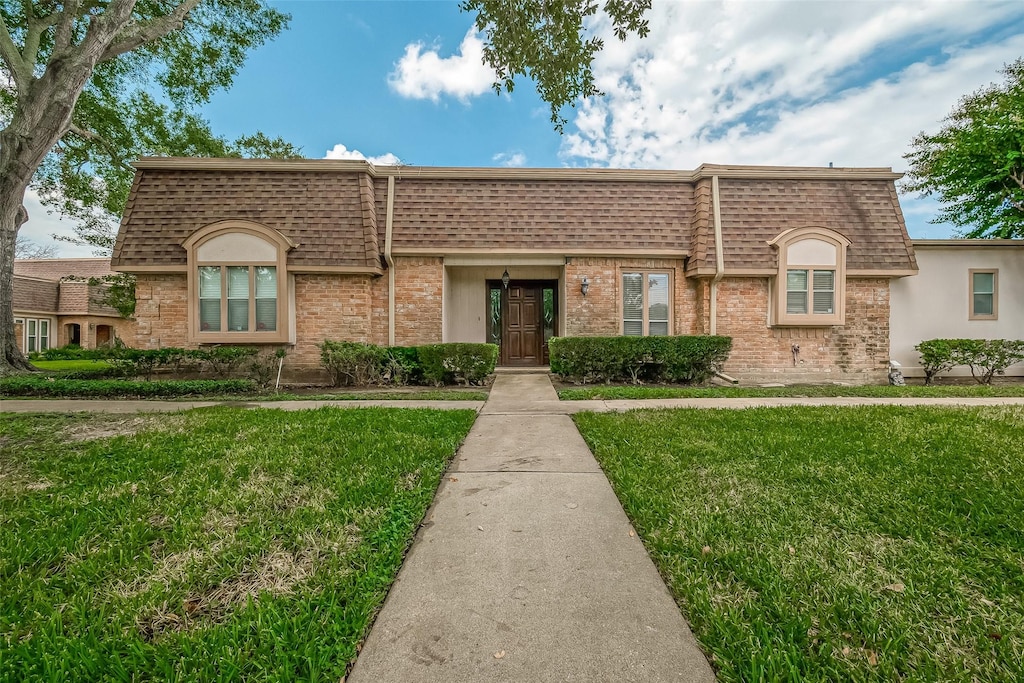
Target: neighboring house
{"type": "Point", "coordinates": [54, 304]}
{"type": "Point", "coordinates": [967, 289]}
{"type": "Point", "coordinates": [794, 263]}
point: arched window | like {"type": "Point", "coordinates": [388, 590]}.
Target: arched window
{"type": "Point", "coordinates": [810, 289]}
{"type": "Point", "coordinates": [237, 283]}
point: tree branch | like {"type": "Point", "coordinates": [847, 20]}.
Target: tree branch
{"type": "Point", "coordinates": [102, 142]}
{"type": "Point", "coordinates": [62, 36]}
{"type": "Point", "coordinates": [21, 73]}
{"type": "Point", "coordinates": [36, 26]}
{"type": "Point", "coordinates": [144, 32]}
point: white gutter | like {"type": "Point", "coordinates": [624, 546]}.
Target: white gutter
{"type": "Point", "coordinates": [719, 256]}
{"type": "Point", "coordinates": [389, 222]}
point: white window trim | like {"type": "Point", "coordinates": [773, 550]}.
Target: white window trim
{"type": "Point", "coordinates": [970, 294]}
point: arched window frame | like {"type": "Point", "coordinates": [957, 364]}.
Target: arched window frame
{"type": "Point", "coordinates": [783, 242]}
{"type": "Point", "coordinates": [281, 244]}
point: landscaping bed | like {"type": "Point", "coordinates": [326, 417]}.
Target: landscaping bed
{"type": "Point", "coordinates": [207, 545]}
{"type": "Point", "coordinates": [874, 543]}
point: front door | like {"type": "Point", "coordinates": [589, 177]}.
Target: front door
{"type": "Point", "coordinates": [522, 334]}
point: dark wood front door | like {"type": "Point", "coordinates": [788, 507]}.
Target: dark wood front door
{"type": "Point", "coordinates": [522, 334]}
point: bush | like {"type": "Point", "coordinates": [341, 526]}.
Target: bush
{"type": "Point", "coordinates": [219, 360]}
{"type": "Point", "coordinates": [686, 359]}
{"type": "Point", "coordinates": [354, 363]}
{"type": "Point", "coordinates": [72, 352]}
{"type": "Point", "coordinates": [52, 387]}
{"type": "Point", "coordinates": [263, 367]}
{"type": "Point", "coordinates": [985, 357]}
{"type": "Point", "coordinates": [457, 363]}
{"type": "Point", "coordinates": [936, 357]}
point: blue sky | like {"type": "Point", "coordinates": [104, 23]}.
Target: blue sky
{"type": "Point", "coordinates": [780, 83]}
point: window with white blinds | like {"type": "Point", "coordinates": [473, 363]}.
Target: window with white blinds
{"type": "Point", "coordinates": [810, 292]}
{"type": "Point", "coordinates": [646, 303]}
{"type": "Point", "coordinates": [238, 298]}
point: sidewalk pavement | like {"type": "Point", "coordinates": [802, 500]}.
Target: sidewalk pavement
{"type": "Point", "coordinates": [527, 569]}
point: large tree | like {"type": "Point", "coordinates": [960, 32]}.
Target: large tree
{"type": "Point", "coordinates": [975, 163]}
{"type": "Point", "coordinates": [87, 85]}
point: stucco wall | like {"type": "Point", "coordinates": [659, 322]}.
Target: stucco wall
{"type": "Point", "coordinates": [935, 303]}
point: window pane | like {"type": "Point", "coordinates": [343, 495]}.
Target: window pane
{"type": "Point", "coordinates": [238, 315]}
{"type": "Point", "coordinates": [824, 280]}
{"type": "Point", "coordinates": [633, 328]}
{"type": "Point", "coordinates": [796, 281]}
{"type": "Point", "coordinates": [31, 336]}
{"type": "Point", "coordinates": [238, 282]}
{"type": "Point", "coordinates": [824, 302]}
{"type": "Point", "coordinates": [796, 302]}
{"type": "Point", "coordinates": [209, 282]}
{"type": "Point", "coordinates": [44, 335]}
{"type": "Point", "coordinates": [658, 329]}
{"type": "Point", "coordinates": [984, 283]}
{"type": "Point", "coordinates": [983, 304]}
{"type": "Point", "coordinates": [633, 303]}
{"type": "Point", "coordinates": [494, 317]}
{"type": "Point", "coordinates": [657, 301]}
{"type": "Point", "coordinates": [549, 313]}
{"type": "Point", "coordinates": [266, 315]}
{"type": "Point", "coordinates": [209, 315]}
{"type": "Point", "coordinates": [266, 282]}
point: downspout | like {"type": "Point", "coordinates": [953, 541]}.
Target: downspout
{"type": "Point", "coordinates": [719, 256]}
{"type": "Point", "coordinates": [719, 267]}
{"type": "Point", "coordinates": [388, 225]}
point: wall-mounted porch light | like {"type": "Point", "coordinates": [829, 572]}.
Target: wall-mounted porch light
{"type": "Point", "coordinates": [585, 286]}
{"type": "Point", "coordinates": [505, 278]}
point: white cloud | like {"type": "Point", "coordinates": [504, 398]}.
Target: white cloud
{"type": "Point", "coordinates": [340, 151]}
{"type": "Point", "coordinates": [793, 83]}
{"type": "Point", "coordinates": [41, 225]}
{"type": "Point", "coordinates": [511, 159]}
{"type": "Point", "coordinates": [423, 74]}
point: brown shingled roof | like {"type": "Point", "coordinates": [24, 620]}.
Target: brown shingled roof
{"type": "Point", "coordinates": [322, 213]}
{"type": "Point", "coordinates": [866, 212]}
{"type": "Point", "coordinates": [35, 294]}
{"type": "Point", "coordinates": [57, 268]}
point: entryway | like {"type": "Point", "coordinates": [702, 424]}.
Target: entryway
{"type": "Point", "coordinates": [521, 317]}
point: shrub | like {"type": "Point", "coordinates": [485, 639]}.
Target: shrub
{"type": "Point", "coordinates": [988, 357]}
{"type": "Point", "coordinates": [52, 387]}
{"type": "Point", "coordinates": [354, 363]}
{"type": "Point", "coordinates": [263, 367]}
{"type": "Point", "coordinates": [457, 363]}
{"type": "Point", "coordinates": [72, 352]}
{"type": "Point", "coordinates": [684, 359]}
{"type": "Point", "coordinates": [403, 365]}
{"type": "Point", "coordinates": [936, 357]}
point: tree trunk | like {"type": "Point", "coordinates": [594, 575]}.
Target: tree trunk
{"type": "Point", "coordinates": [12, 216]}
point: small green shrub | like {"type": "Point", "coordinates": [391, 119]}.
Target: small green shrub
{"type": "Point", "coordinates": [685, 359]}
{"type": "Point", "coordinates": [72, 352]}
{"type": "Point", "coordinates": [263, 367]}
{"type": "Point", "coordinates": [985, 357]}
{"type": "Point", "coordinates": [54, 387]}
{"type": "Point", "coordinates": [354, 363]}
{"type": "Point", "coordinates": [936, 357]}
{"type": "Point", "coordinates": [457, 363]}
{"type": "Point", "coordinates": [403, 365]}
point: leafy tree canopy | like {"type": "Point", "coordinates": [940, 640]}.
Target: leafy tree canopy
{"type": "Point", "coordinates": [975, 163]}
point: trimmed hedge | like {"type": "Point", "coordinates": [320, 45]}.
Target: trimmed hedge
{"type": "Point", "coordinates": [53, 387]}
{"type": "Point", "coordinates": [687, 359]}
{"type": "Point", "coordinates": [985, 357]}
{"type": "Point", "coordinates": [358, 364]}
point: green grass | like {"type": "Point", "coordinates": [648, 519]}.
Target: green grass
{"type": "Point", "coordinates": [879, 391]}
{"type": "Point", "coordinates": [824, 544]}
{"type": "Point", "coordinates": [217, 544]}
{"type": "Point", "coordinates": [71, 365]}
{"type": "Point", "coordinates": [427, 395]}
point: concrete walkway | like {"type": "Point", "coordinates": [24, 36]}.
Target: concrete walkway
{"type": "Point", "coordinates": [527, 569]}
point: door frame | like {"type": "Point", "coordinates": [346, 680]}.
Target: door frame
{"type": "Point", "coordinates": [541, 284]}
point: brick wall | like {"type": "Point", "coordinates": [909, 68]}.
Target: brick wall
{"type": "Point", "coordinates": [419, 295]}
{"type": "Point", "coordinates": [597, 313]}
{"type": "Point", "coordinates": [329, 306]}
{"type": "Point", "coordinates": [161, 312]}
{"type": "Point", "coordinates": [89, 328]}
{"type": "Point", "coordinates": [856, 352]}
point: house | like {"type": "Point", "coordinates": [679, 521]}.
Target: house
{"type": "Point", "coordinates": [54, 304]}
{"type": "Point", "coordinates": [795, 264]}
{"type": "Point", "coordinates": [967, 289]}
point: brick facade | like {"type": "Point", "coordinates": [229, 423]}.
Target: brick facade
{"type": "Point", "coordinates": [419, 300]}
{"type": "Point", "coordinates": [857, 352]}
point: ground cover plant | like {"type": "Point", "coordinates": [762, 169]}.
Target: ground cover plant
{"type": "Point", "coordinates": [219, 544]}
{"type": "Point", "coordinates": [825, 544]}
{"type": "Point", "coordinates": [826, 390]}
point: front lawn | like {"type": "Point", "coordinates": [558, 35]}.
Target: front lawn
{"type": "Point", "coordinates": [72, 365]}
{"type": "Point", "coordinates": [219, 544]}
{"type": "Point", "coordinates": [823, 544]}
{"type": "Point", "coordinates": [613, 392]}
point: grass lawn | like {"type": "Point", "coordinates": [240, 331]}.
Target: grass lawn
{"type": "Point", "coordinates": [70, 365]}
{"type": "Point", "coordinates": [642, 392]}
{"type": "Point", "coordinates": [824, 544]}
{"type": "Point", "coordinates": [414, 395]}
{"type": "Point", "coordinates": [218, 544]}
